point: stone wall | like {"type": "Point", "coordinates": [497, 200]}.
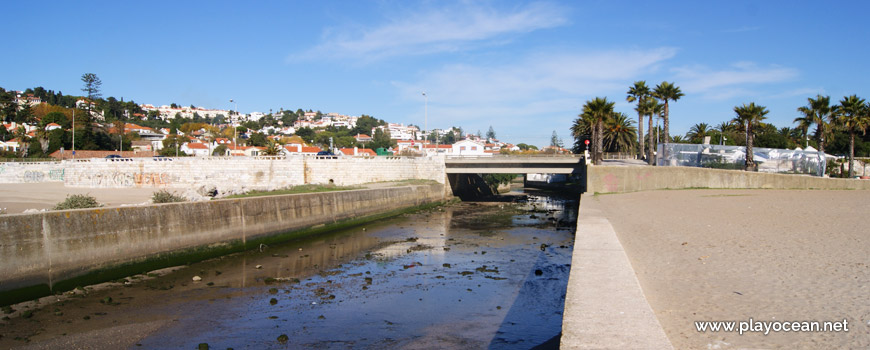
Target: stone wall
{"type": "Point", "coordinates": [610, 179]}
{"type": "Point", "coordinates": [31, 172]}
{"type": "Point", "coordinates": [225, 174]}
{"type": "Point", "coordinates": [45, 248]}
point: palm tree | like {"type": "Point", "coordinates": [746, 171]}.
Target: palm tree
{"type": "Point", "coordinates": [852, 117]}
{"type": "Point", "coordinates": [650, 107]}
{"type": "Point", "coordinates": [818, 111]}
{"type": "Point", "coordinates": [583, 126]}
{"type": "Point", "coordinates": [667, 91]}
{"type": "Point", "coordinates": [678, 139]}
{"type": "Point", "coordinates": [619, 133]}
{"type": "Point", "coordinates": [599, 110]}
{"type": "Point", "coordinates": [697, 132]}
{"type": "Point", "coordinates": [638, 93]}
{"type": "Point", "coordinates": [724, 128]}
{"type": "Point", "coordinates": [750, 115]}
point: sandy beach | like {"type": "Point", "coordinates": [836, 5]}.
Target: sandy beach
{"type": "Point", "coordinates": [17, 198]}
{"type": "Point", "coordinates": [732, 255]}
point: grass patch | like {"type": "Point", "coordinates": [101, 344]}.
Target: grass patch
{"type": "Point", "coordinates": [164, 196]}
{"type": "Point", "coordinates": [295, 190]}
{"type": "Point", "coordinates": [78, 201]}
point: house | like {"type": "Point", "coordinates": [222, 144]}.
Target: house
{"type": "Point", "coordinates": [10, 146]}
{"type": "Point", "coordinates": [297, 149]}
{"type": "Point", "coordinates": [363, 138]}
{"type": "Point", "coordinates": [196, 149]}
{"type": "Point", "coordinates": [468, 148]}
{"type": "Point", "coordinates": [358, 152]}
{"type": "Point", "coordinates": [252, 151]}
{"type": "Point", "coordinates": [140, 145]}
{"type": "Point", "coordinates": [431, 150]}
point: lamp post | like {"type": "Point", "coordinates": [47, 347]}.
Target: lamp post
{"type": "Point", "coordinates": [74, 134]}
{"type": "Point", "coordinates": [235, 130]}
{"type": "Point", "coordinates": [426, 114]}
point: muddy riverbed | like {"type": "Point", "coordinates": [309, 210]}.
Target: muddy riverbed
{"type": "Point", "coordinates": [467, 275]}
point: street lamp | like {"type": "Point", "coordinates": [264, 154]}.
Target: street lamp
{"type": "Point", "coordinates": [235, 130]}
{"type": "Point", "coordinates": [74, 134]}
{"type": "Point", "coordinates": [426, 114]}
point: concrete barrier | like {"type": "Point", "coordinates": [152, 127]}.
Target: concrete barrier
{"type": "Point", "coordinates": [227, 174]}
{"type": "Point", "coordinates": [611, 179]}
{"type": "Point", "coordinates": [45, 252]}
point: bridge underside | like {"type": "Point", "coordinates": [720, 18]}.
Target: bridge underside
{"type": "Point", "coordinates": [515, 166]}
{"type": "Point", "coordinates": [513, 170]}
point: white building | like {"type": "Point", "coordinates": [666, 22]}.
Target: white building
{"type": "Point", "coordinates": [468, 148]}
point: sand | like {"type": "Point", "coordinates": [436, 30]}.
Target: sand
{"type": "Point", "coordinates": [17, 198]}
{"type": "Point", "coordinates": [732, 255]}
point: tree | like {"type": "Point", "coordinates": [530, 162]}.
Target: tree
{"type": "Point", "coordinates": [619, 134]}
{"type": "Point", "coordinates": [598, 111]}
{"type": "Point", "coordinates": [258, 139]}
{"type": "Point", "coordinates": [697, 132]}
{"type": "Point", "coordinates": [667, 92]}
{"type": "Point", "coordinates": [8, 107]}
{"type": "Point", "coordinates": [92, 86]}
{"type": "Point", "coordinates": [555, 141]}
{"type": "Point", "coordinates": [638, 93]}
{"type": "Point", "coordinates": [852, 117]}
{"type": "Point", "coordinates": [24, 114]}
{"type": "Point", "coordinates": [305, 133]}
{"type": "Point", "coordinates": [750, 115]}
{"type": "Point", "coordinates": [381, 139]}
{"type": "Point", "coordinates": [490, 134]}
{"type": "Point", "coordinates": [272, 149]}
{"type": "Point", "coordinates": [818, 111]}
{"type": "Point", "coordinates": [650, 107]}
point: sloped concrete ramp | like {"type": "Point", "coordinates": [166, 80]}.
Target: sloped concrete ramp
{"type": "Point", "coordinates": [605, 307]}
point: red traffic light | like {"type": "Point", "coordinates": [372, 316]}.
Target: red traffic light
{"type": "Point", "coordinates": [587, 142]}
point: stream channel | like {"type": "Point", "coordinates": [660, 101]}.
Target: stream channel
{"type": "Point", "coordinates": [468, 275]}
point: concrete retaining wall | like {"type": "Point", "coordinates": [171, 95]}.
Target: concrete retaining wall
{"type": "Point", "coordinates": [44, 248]}
{"type": "Point", "coordinates": [30, 172]}
{"type": "Point", "coordinates": [233, 174]}
{"type": "Point", "coordinates": [609, 179]}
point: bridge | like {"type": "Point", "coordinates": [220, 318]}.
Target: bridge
{"type": "Point", "coordinates": [515, 165]}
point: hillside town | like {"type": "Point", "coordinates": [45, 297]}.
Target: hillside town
{"type": "Point", "coordinates": [35, 127]}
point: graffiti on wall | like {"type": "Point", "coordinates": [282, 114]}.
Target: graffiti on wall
{"type": "Point", "coordinates": [123, 179]}
{"type": "Point", "coordinates": [56, 174]}
{"type": "Point", "coordinates": [33, 176]}
{"type": "Point", "coordinates": [151, 179]}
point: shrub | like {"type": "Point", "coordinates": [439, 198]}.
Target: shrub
{"type": "Point", "coordinates": [78, 201]}
{"type": "Point", "coordinates": [164, 196]}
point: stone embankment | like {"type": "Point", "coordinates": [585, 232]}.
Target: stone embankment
{"type": "Point", "coordinates": [53, 251]}
{"type": "Point", "coordinates": [227, 175]}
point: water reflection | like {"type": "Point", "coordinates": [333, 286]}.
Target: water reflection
{"type": "Point", "coordinates": [471, 275]}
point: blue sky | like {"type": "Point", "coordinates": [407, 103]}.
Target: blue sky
{"type": "Point", "coordinates": [525, 68]}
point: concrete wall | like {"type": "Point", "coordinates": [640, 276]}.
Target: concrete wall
{"type": "Point", "coordinates": [232, 174]}
{"type": "Point", "coordinates": [609, 179]}
{"type": "Point", "coordinates": [30, 172]}
{"type": "Point", "coordinates": [48, 247]}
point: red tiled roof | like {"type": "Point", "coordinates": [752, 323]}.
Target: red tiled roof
{"type": "Point", "coordinates": [359, 151]}
{"type": "Point", "coordinates": [196, 145]}
{"type": "Point", "coordinates": [305, 149]}
{"type": "Point", "coordinates": [100, 154]}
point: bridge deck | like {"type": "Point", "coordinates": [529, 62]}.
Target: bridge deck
{"type": "Point", "coordinates": [514, 165]}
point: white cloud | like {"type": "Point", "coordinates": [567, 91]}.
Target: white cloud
{"type": "Point", "coordinates": [532, 95]}
{"type": "Point", "coordinates": [731, 82]}
{"type": "Point", "coordinates": [436, 30]}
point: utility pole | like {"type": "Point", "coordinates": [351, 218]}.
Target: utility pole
{"type": "Point", "coordinates": [74, 134]}
{"type": "Point", "coordinates": [426, 115]}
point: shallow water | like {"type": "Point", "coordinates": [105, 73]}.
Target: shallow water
{"type": "Point", "coordinates": [468, 275]}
